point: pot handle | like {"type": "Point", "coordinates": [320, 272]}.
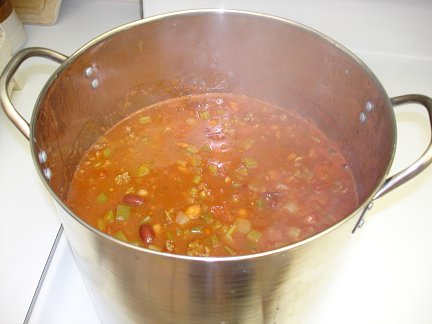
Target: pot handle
{"type": "Point", "coordinates": [6, 78]}
{"type": "Point", "coordinates": [422, 162]}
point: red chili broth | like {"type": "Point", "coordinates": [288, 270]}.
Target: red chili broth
{"type": "Point", "coordinates": [213, 175]}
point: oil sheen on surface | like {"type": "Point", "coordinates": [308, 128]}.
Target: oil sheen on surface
{"type": "Point", "coordinates": [213, 175]}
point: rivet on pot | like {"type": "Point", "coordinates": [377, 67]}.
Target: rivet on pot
{"type": "Point", "coordinates": [89, 72]}
{"type": "Point", "coordinates": [95, 83]}
{"type": "Point", "coordinates": [369, 106]}
{"type": "Point", "coordinates": [42, 156]}
{"type": "Point", "coordinates": [362, 117]}
{"type": "Point", "coordinates": [47, 173]}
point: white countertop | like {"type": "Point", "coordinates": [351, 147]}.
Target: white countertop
{"type": "Point", "coordinates": [387, 277]}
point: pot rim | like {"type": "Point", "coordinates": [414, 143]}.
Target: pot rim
{"type": "Point", "coordinates": [214, 11]}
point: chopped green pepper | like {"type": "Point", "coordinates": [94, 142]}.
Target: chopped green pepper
{"type": "Point", "coordinates": [109, 216]}
{"type": "Point", "coordinates": [102, 197]}
{"type": "Point", "coordinates": [249, 162]}
{"type": "Point", "coordinates": [145, 119]}
{"type": "Point", "coordinates": [254, 236]}
{"type": "Point", "coordinates": [123, 212]}
{"type": "Point", "coordinates": [143, 170]}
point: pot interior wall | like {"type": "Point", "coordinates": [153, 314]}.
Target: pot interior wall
{"type": "Point", "coordinates": [266, 58]}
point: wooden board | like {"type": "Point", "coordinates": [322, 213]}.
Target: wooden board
{"type": "Point", "coordinates": [44, 12]}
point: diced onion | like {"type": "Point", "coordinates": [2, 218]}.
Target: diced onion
{"type": "Point", "coordinates": [182, 218]}
{"type": "Point", "coordinates": [244, 225]}
{"type": "Point", "coordinates": [294, 232]}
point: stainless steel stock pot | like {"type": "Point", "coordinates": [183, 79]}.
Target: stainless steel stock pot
{"type": "Point", "coordinates": [207, 51]}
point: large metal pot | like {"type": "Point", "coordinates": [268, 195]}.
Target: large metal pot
{"type": "Point", "coordinates": [192, 52]}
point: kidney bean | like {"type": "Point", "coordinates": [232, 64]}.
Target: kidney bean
{"type": "Point", "coordinates": [133, 200]}
{"type": "Point", "coordinates": [147, 234]}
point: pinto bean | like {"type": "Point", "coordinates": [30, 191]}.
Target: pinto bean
{"type": "Point", "coordinates": [133, 200]}
{"type": "Point", "coordinates": [147, 234]}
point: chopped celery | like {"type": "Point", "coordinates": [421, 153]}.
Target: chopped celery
{"type": "Point", "coordinates": [214, 240]}
{"type": "Point", "coordinates": [206, 147]}
{"type": "Point", "coordinates": [123, 212]}
{"type": "Point", "coordinates": [154, 247]}
{"type": "Point", "coordinates": [236, 185]}
{"type": "Point", "coordinates": [204, 115]}
{"type": "Point", "coordinates": [101, 224]}
{"type": "Point", "coordinates": [213, 169]}
{"type": "Point", "coordinates": [196, 179]}
{"type": "Point", "coordinates": [107, 152]}
{"type": "Point", "coordinates": [102, 197]}
{"type": "Point", "coordinates": [120, 236]}
{"type": "Point", "coordinates": [191, 149]}
{"type": "Point", "coordinates": [97, 165]}
{"type": "Point", "coordinates": [242, 171]}
{"type": "Point", "coordinates": [229, 250]}
{"type": "Point", "coordinates": [254, 236]}
{"type": "Point", "coordinates": [260, 203]}
{"type": "Point", "coordinates": [202, 194]}
{"type": "Point", "coordinates": [249, 162]}
{"type": "Point", "coordinates": [146, 220]}
{"type": "Point", "coordinates": [231, 230]}
{"type": "Point", "coordinates": [168, 216]}
{"type": "Point", "coordinates": [217, 224]}
{"type": "Point", "coordinates": [207, 217]}
{"type": "Point", "coordinates": [181, 163]}
{"type": "Point", "coordinates": [196, 161]}
{"type": "Point", "coordinates": [145, 119]}
{"type": "Point", "coordinates": [193, 191]}
{"type": "Point", "coordinates": [143, 170]}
